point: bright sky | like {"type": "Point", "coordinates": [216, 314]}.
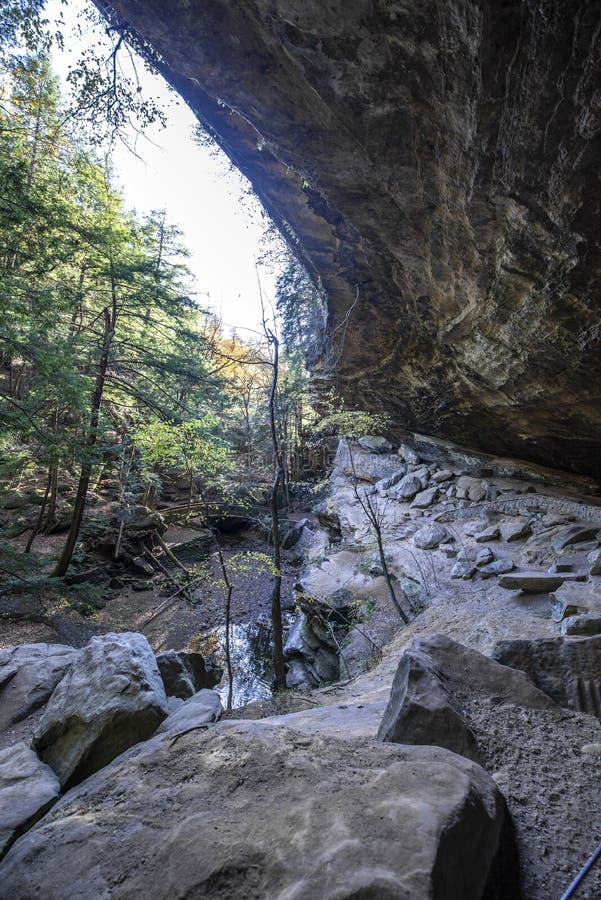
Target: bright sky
{"type": "Point", "coordinates": [199, 190]}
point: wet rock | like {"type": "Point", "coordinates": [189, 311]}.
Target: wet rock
{"type": "Point", "coordinates": [568, 670]}
{"type": "Point", "coordinates": [111, 698]}
{"type": "Point", "coordinates": [294, 533]}
{"type": "Point", "coordinates": [583, 624]}
{"type": "Point", "coordinates": [311, 653]}
{"type": "Point", "coordinates": [430, 536]}
{"type": "Point", "coordinates": [28, 675]}
{"type": "Point", "coordinates": [247, 809]}
{"type": "Point", "coordinates": [28, 789]}
{"type": "Point", "coordinates": [426, 498]}
{"type": "Point", "coordinates": [201, 709]}
{"type": "Point", "coordinates": [374, 444]}
{"type": "Point", "coordinates": [574, 534]}
{"type": "Point", "coordinates": [534, 582]}
{"type": "Point", "coordinates": [515, 531]}
{"type": "Point", "coordinates": [185, 673]}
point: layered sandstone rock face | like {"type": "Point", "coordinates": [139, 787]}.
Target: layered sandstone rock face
{"type": "Point", "coordinates": [437, 164]}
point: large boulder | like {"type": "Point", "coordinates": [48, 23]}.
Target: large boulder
{"type": "Point", "coordinates": [28, 789]}
{"type": "Point", "coordinates": [28, 675]}
{"type": "Point", "coordinates": [437, 682]}
{"type": "Point", "coordinates": [568, 670]}
{"type": "Point", "coordinates": [421, 711]}
{"type": "Point", "coordinates": [111, 697]}
{"type": "Point", "coordinates": [255, 809]}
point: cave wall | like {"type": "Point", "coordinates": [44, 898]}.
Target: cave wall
{"type": "Point", "coordinates": [437, 164]}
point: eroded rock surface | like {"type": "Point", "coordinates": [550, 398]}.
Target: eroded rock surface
{"type": "Point", "coordinates": [254, 810]}
{"type": "Point", "coordinates": [438, 165]}
{"type": "Point", "coordinates": [28, 789]}
{"type": "Point", "coordinates": [111, 698]}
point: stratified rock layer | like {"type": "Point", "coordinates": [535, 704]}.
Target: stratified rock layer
{"type": "Point", "coordinates": [436, 165]}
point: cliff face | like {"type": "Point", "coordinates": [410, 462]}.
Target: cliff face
{"type": "Point", "coordinates": [438, 164]}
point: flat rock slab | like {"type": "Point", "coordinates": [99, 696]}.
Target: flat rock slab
{"type": "Point", "coordinates": [28, 675]}
{"type": "Point", "coordinates": [111, 698]}
{"type": "Point", "coordinates": [567, 669]}
{"type": "Point", "coordinates": [536, 582]}
{"type": "Point", "coordinates": [254, 810]}
{"type": "Point", "coordinates": [28, 789]}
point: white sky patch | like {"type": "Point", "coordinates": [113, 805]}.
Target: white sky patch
{"type": "Point", "coordinates": [222, 223]}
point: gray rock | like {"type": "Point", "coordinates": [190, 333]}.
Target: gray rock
{"type": "Point", "coordinates": [568, 670]}
{"type": "Point", "coordinates": [111, 698]}
{"type": "Point", "coordinates": [201, 709]}
{"type": "Point", "coordinates": [28, 675]}
{"type": "Point", "coordinates": [28, 789]}
{"type": "Point", "coordinates": [484, 557]}
{"type": "Point", "coordinates": [435, 683]}
{"type": "Point", "coordinates": [442, 475]}
{"type": "Point", "coordinates": [562, 564]}
{"type": "Point", "coordinates": [534, 582]}
{"type": "Point", "coordinates": [430, 536]}
{"type": "Point", "coordinates": [258, 809]}
{"type": "Point", "coordinates": [421, 711]}
{"type": "Point", "coordinates": [142, 565]}
{"type": "Point", "coordinates": [426, 498]}
{"type": "Point", "coordinates": [574, 534]}
{"type": "Point", "coordinates": [375, 444]}
{"type": "Point", "coordinates": [594, 561]}
{"type": "Point", "coordinates": [463, 569]}
{"type": "Point", "coordinates": [498, 567]}
{"type": "Point", "coordinates": [488, 534]}
{"type": "Point", "coordinates": [408, 454]}
{"type": "Point", "coordinates": [449, 551]}
{"type": "Point", "coordinates": [408, 487]}
{"type": "Point", "coordinates": [311, 654]}
{"type": "Point", "coordinates": [572, 599]}
{"type": "Point", "coordinates": [185, 673]}
{"type": "Point", "coordinates": [515, 531]}
{"type": "Point", "coordinates": [386, 483]}
{"type": "Point", "coordinates": [584, 624]}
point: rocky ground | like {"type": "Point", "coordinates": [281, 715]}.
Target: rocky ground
{"type": "Point", "coordinates": [501, 561]}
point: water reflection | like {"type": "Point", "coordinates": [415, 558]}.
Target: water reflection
{"type": "Point", "coordinates": [250, 647]}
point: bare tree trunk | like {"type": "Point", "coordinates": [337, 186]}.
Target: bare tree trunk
{"type": "Point", "coordinates": [110, 319]}
{"type": "Point", "coordinates": [375, 522]}
{"type": "Point", "coordinates": [279, 666]}
{"type": "Point", "coordinates": [36, 529]}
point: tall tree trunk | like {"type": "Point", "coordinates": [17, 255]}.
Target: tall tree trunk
{"type": "Point", "coordinates": [279, 666]}
{"type": "Point", "coordinates": [110, 318]}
